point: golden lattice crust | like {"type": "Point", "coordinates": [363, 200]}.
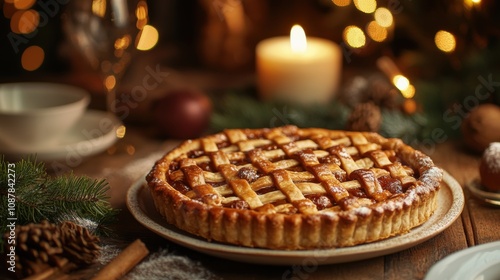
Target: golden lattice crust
{"type": "Point", "coordinates": [294, 188]}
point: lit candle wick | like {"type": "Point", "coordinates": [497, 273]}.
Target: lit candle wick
{"type": "Point", "coordinates": [296, 69]}
{"type": "Point", "coordinates": [298, 40]}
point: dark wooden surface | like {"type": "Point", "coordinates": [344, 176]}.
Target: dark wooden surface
{"type": "Point", "coordinates": [478, 223]}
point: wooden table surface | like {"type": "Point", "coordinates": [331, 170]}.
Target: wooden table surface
{"type": "Point", "coordinates": [478, 223]}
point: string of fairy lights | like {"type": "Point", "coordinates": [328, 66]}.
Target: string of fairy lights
{"type": "Point", "coordinates": [27, 16]}
{"type": "Point", "coordinates": [380, 28]}
{"type": "Point", "coordinates": [382, 25]}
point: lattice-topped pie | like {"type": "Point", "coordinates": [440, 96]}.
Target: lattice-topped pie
{"type": "Point", "coordinates": [293, 188]}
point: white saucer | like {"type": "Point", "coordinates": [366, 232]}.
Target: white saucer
{"type": "Point", "coordinates": [92, 134]}
{"type": "Point", "coordinates": [480, 192]}
{"type": "Point", "coordinates": [481, 262]}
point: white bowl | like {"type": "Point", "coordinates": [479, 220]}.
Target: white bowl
{"type": "Point", "coordinates": [38, 114]}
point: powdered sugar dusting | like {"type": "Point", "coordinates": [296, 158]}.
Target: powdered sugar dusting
{"type": "Point", "coordinates": [364, 211]}
{"type": "Point", "coordinates": [164, 265]}
{"type": "Point", "coordinates": [491, 156]}
{"type": "Point", "coordinates": [108, 253]}
{"type": "Point", "coordinates": [431, 177]}
{"type": "Point", "coordinates": [425, 161]}
{"type": "Point", "coordinates": [411, 197]}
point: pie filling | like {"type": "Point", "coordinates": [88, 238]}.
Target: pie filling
{"type": "Point", "coordinates": [292, 188]}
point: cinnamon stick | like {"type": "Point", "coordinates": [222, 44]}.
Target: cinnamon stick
{"type": "Point", "coordinates": [53, 272]}
{"type": "Point", "coordinates": [124, 262]}
{"type": "Point", "coordinates": [45, 274]}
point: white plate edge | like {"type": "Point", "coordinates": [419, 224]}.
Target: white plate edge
{"type": "Point", "coordinates": [449, 262]}
{"type": "Point", "coordinates": [344, 254]}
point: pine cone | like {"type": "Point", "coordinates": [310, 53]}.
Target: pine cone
{"type": "Point", "coordinates": [37, 247]}
{"type": "Point", "coordinates": [383, 93]}
{"type": "Point", "coordinates": [354, 92]}
{"type": "Point", "coordinates": [43, 245]}
{"type": "Point", "coordinates": [376, 88]}
{"type": "Point", "coordinates": [365, 117]}
{"type": "Point", "coordinates": [80, 246]}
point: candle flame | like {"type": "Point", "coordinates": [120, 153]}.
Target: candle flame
{"type": "Point", "coordinates": [298, 40]}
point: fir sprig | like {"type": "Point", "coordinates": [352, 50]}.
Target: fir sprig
{"type": "Point", "coordinates": [39, 196]}
{"type": "Point", "coordinates": [242, 109]}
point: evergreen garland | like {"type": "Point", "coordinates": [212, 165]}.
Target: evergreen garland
{"type": "Point", "coordinates": [39, 196]}
{"type": "Point", "coordinates": [238, 109]}
{"type": "Point", "coordinates": [241, 109]}
{"type": "Point", "coordinates": [409, 128]}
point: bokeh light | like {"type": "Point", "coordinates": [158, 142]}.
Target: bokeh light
{"type": "Point", "coordinates": [24, 21]}
{"type": "Point", "coordinates": [32, 58]}
{"type": "Point", "coordinates": [445, 41]}
{"type": "Point", "coordinates": [130, 149]}
{"type": "Point", "coordinates": [147, 38]}
{"type": "Point", "coordinates": [341, 3]}
{"type": "Point", "coordinates": [376, 32]}
{"type": "Point", "coordinates": [354, 36]}
{"type": "Point", "coordinates": [409, 92]}
{"type": "Point", "coordinates": [401, 82]}
{"type": "Point", "coordinates": [366, 6]}
{"type": "Point", "coordinates": [141, 13]}
{"type": "Point", "coordinates": [110, 82]}
{"type": "Point", "coordinates": [122, 43]}
{"type": "Point", "coordinates": [121, 131]}
{"type": "Point", "coordinates": [383, 17]}
{"type": "Point", "coordinates": [471, 3]}
{"type": "Point", "coordinates": [410, 106]}
{"type": "Point", "coordinates": [23, 4]}
{"type": "Point", "coordinates": [99, 8]}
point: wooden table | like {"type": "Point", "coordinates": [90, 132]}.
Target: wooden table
{"type": "Point", "coordinates": [478, 223]}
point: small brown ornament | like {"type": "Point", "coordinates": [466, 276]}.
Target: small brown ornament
{"type": "Point", "coordinates": [383, 94]}
{"type": "Point", "coordinates": [489, 167]}
{"type": "Point", "coordinates": [481, 127]}
{"type": "Point", "coordinates": [365, 117]}
{"type": "Point", "coordinates": [376, 89]}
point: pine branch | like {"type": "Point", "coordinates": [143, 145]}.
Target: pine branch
{"type": "Point", "coordinates": [241, 109]}
{"type": "Point", "coordinates": [83, 196]}
{"type": "Point", "coordinates": [236, 110]}
{"type": "Point", "coordinates": [399, 125]}
{"type": "Point", "coordinates": [39, 196]}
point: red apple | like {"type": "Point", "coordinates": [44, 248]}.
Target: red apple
{"type": "Point", "coordinates": [183, 113]}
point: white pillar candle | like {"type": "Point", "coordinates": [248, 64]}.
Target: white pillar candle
{"type": "Point", "coordinates": [298, 69]}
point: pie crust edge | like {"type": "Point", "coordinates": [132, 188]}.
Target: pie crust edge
{"type": "Point", "coordinates": [299, 231]}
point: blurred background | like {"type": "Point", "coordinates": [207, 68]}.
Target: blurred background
{"type": "Point", "coordinates": [447, 51]}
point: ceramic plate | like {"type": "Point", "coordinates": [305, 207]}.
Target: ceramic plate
{"type": "Point", "coordinates": [481, 262]}
{"type": "Point", "coordinates": [450, 205]}
{"type": "Point", "coordinates": [492, 198]}
{"type": "Point", "coordinates": [92, 134]}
